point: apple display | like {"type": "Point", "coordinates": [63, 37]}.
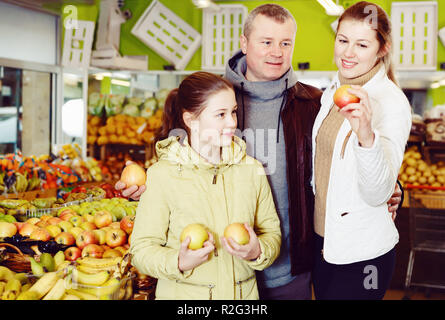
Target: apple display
{"type": "Point", "coordinates": [54, 220]}
{"type": "Point", "coordinates": [7, 229]}
{"type": "Point", "coordinates": [27, 229]}
{"type": "Point", "coordinates": [92, 250]}
{"type": "Point", "coordinates": [100, 235]}
{"type": "Point", "coordinates": [40, 234]}
{"type": "Point", "coordinates": [197, 233]}
{"type": "Point", "coordinates": [65, 238]}
{"type": "Point", "coordinates": [85, 238]}
{"type": "Point", "coordinates": [111, 253]}
{"type": "Point", "coordinates": [88, 226]}
{"type": "Point", "coordinates": [103, 218]}
{"type": "Point", "coordinates": [53, 230]}
{"type": "Point", "coordinates": [342, 97]}
{"type": "Point", "coordinates": [237, 232]}
{"type": "Point", "coordinates": [127, 224]}
{"type": "Point", "coordinates": [116, 238]}
{"type": "Point", "coordinates": [76, 231]}
{"type": "Point", "coordinates": [65, 225]}
{"type": "Point", "coordinates": [73, 253]}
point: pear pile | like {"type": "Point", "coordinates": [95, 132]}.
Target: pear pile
{"type": "Point", "coordinates": [416, 171]}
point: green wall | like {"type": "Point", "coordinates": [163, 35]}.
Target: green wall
{"type": "Point", "coordinates": [314, 40]}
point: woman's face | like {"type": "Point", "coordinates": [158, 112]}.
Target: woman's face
{"type": "Point", "coordinates": [356, 48]}
{"type": "Point", "coordinates": [215, 126]}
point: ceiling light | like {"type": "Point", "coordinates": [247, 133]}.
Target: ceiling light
{"type": "Point", "coordinates": [332, 9]}
{"type": "Point", "coordinates": [204, 4]}
{"type": "Point", "coordinates": [435, 85]}
{"type": "Point", "coordinates": [120, 82]}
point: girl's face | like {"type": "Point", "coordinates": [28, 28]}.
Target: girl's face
{"type": "Point", "coordinates": [356, 48]}
{"type": "Point", "coordinates": [215, 126]}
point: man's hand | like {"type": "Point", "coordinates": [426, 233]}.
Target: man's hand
{"type": "Point", "coordinates": [250, 251]}
{"type": "Point", "coordinates": [395, 201]}
{"type": "Point", "coordinates": [133, 192]}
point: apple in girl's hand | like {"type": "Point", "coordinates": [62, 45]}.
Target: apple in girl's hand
{"type": "Point", "coordinates": [237, 232]}
{"type": "Point", "coordinates": [342, 97]}
{"type": "Point", "coordinates": [73, 253]}
{"type": "Point", "coordinates": [197, 233]}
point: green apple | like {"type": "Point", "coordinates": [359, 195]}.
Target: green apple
{"type": "Point", "coordinates": [119, 212]}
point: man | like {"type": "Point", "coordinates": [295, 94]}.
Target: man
{"type": "Point", "coordinates": [276, 114]}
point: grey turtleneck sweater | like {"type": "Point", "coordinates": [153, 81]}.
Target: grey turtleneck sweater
{"type": "Point", "coordinates": [259, 105]}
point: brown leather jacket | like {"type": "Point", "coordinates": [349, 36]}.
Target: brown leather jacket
{"type": "Point", "coordinates": [298, 116]}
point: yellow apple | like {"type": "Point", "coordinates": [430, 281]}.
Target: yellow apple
{"type": "Point", "coordinates": [237, 232]}
{"type": "Point", "coordinates": [197, 233]}
{"type": "Point", "coordinates": [75, 231]}
{"type": "Point", "coordinates": [53, 230]}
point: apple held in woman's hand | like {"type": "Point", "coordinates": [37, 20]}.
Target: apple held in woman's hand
{"type": "Point", "coordinates": [342, 97]}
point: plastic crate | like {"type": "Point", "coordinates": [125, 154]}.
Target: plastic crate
{"type": "Point", "coordinates": [414, 28]}
{"type": "Point", "coordinates": [77, 45]}
{"type": "Point", "coordinates": [167, 34]}
{"type": "Point", "coordinates": [221, 31]}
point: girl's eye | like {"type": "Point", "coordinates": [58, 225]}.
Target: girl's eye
{"type": "Point", "coordinates": [220, 115]}
{"type": "Point", "coordinates": [363, 45]}
{"type": "Point", "coordinates": [234, 111]}
{"type": "Point", "coordinates": [342, 41]}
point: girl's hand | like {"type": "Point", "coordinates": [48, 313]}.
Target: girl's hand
{"type": "Point", "coordinates": [189, 259]}
{"type": "Point", "coordinates": [250, 251]}
{"type": "Point", "coordinates": [359, 116]}
{"type": "Point", "coordinates": [133, 192]}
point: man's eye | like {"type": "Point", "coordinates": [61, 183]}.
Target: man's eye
{"type": "Point", "coordinates": [267, 42]}
{"type": "Point", "coordinates": [342, 41]}
{"type": "Point", "coordinates": [286, 44]}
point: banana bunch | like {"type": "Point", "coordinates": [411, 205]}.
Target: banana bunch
{"type": "Point", "coordinates": [21, 183]}
{"type": "Point", "coordinates": [33, 183]}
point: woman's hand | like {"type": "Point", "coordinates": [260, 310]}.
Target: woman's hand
{"type": "Point", "coordinates": [250, 251]}
{"type": "Point", "coordinates": [359, 116]}
{"type": "Point", "coordinates": [189, 259]}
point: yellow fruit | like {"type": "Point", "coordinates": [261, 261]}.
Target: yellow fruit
{"type": "Point", "coordinates": [410, 171]}
{"type": "Point", "coordinates": [197, 233]}
{"type": "Point", "coordinates": [412, 178]}
{"type": "Point", "coordinates": [423, 180]}
{"type": "Point", "coordinates": [431, 180]}
{"type": "Point", "coordinates": [411, 162]}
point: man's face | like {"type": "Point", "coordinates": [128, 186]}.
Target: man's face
{"type": "Point", "coordinates": [268, 49]}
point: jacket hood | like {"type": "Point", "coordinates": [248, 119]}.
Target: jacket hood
{"type": "Point", "coordinates": [178, 151]}
{"type": "Point", "coordinates": [263, 90]}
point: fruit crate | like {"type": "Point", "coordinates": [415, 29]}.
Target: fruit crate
{"type": "Point", "coordinates": [426, 197]}
{"type": "Point", "coordinates": [167, 34]}
{"type": "Point", "coordinates": [414, 25]}
{"type": "Point", "coordinates": [220, 35]}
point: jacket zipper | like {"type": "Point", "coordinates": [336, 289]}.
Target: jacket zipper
{"type": "Point", "coordinates": [239, 282]}
{"type": "Point", "coordinates": [210, 286]}
{"type": "Point", "coordinates": [215, 173]}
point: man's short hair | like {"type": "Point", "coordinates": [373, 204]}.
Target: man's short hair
{"type": "Point", "coordinates": [274, 11]}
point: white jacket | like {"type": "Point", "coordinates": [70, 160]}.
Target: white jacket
{"type": "Point", "coordinates": [361, 183]}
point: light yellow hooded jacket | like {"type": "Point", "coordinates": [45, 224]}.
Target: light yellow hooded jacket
{"type": "Point", "coordinates": [182, 188]}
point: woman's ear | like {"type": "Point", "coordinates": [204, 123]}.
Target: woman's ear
{"type": "Point", "coordinates": [385, 50]}
{"type": "Point", "coordinates": [187, 117]}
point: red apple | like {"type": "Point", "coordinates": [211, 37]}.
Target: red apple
{"type": "Point", "coordinates": [92, 250]}
{"type": "Point", "coordinates": [54, 220]}
{"type": "Point", "coordinates": [103, 218]}
{"type": "Point", "coordinates": [45, 217]}
{"type": "Point", "coordinates": [7, 229]}
{"type": "Point", "coordinates": [40, 234]}
{"type": "Point", "coordinates": [62, 212]}
{"type": "Point", "coordinates": [116, 238]}
{"type": "Point", "coordinates": [27, 229]}
{"type": "Point", "coordinates": [342, 97]}
{"type": "Point", "coordinates": [73, 253]}
{"type": "Point", "coordinates": [127, 224]}
{"type": "Point", "coordinates": [65, 238]}
{"type": "Point", "coordinates": [85, 238]}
